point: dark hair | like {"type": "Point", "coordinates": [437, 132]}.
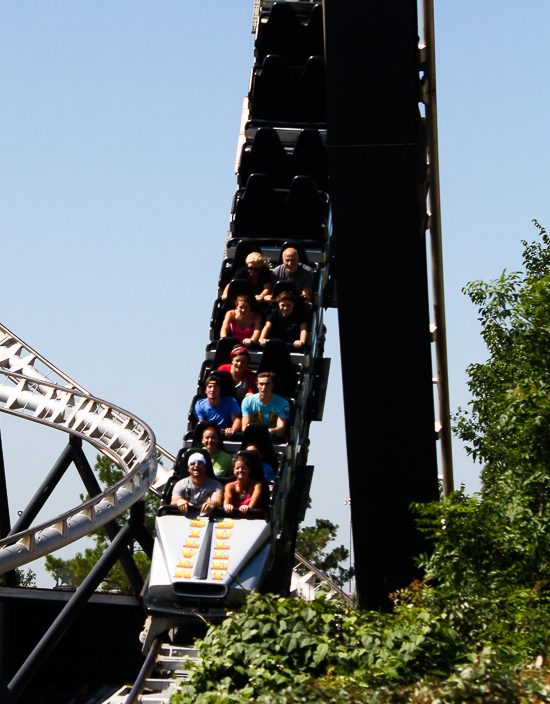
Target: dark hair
{"type": "Point", "coordinates": [286, 296]}
{"type": "Point", "coordinates": [212, 426]}
{"type": "Point", "coordinates": [252, 460]}
{"type": "Point", "coordinates": [244, 457]}
{"type": "Point", "coordinates": [258, 434]}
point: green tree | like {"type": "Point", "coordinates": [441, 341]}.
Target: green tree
{"type": "Point", "coordinates": [312, 543]}
{"type": "Point", "coordinates": [507, 426]}
{"type": "Point", "coordinates": [489, 569]}
{"type": "Point", "coordinates": [108, 474]}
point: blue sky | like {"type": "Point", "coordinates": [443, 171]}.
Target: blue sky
{"type": "Point", "coordinates": [119, 124]}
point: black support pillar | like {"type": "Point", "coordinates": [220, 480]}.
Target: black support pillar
{"type": "Point", "coordinates": [377, 183]}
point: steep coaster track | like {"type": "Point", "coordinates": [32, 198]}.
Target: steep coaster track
{"type": "Point", "coordinates": [36, 390]}
{"type": "Point", "coordinates": [281, 204]}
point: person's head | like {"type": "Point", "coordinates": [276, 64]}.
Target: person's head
{"type": "Point", "coordinates": [240, 358]}
{"type": "Point", "coordinates": [243, 305]}
{"type": "Point", "coordinates": [254, 448]}
{"type": "Point", "coordinates": [196, 466]}
{"type": "Point", "coordinates": [211, 438]}
{"type": "Point", "coordinates": [257, 434]}
{"type": "Point", "coordinates": [286, 303]}
{"type": "Point", "coordinates": [241, 465]}
{"type": "Point", "coordinates": [213, 390]}
{"type": "Point", "coordinates": [254, 263]}
{"type": "Point", "coordinates": [265, 382]}
{"type": "Point", "coordinates": [291, 260]}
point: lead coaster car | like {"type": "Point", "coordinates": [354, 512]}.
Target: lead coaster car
{"type": "Point", "coordinates": [204, 564]}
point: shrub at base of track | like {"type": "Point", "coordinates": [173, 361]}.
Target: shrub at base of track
{"type": "Point", "coordinates": [281, 650]}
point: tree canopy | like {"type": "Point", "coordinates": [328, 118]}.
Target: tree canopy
{"type": "Point", "coordinates": [507, 426]}
{"type": "Point", "coordinates": [312, 543]}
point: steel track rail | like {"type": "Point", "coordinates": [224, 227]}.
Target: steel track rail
{"type": "Point", "coordinates": [123, 437]}
{"type": "Point", "coordinates": [436, 246]}
{"type": "Point", "coordinates": [17, 356]}
{"type": "Point", "coordinates": [323, 577]}
{"type": "Point", "coordinates": [34, 389]}
{"type": "Point", "coordinates": [145, 672]}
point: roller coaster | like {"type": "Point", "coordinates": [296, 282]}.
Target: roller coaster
{"type": "Point", "coordinates": [314, 182]}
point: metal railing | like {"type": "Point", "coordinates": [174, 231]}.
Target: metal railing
{"type": "Point", "coordinates": [17, 356]}
{"type": "Point", "coordinates": [324, 579]}
{"type": "Point", "coordinates": [434, 207]}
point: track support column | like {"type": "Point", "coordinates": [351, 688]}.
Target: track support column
{"type": "Point", "coordinates": [377, 162]}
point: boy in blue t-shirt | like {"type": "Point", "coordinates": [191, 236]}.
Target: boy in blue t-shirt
{"type": "Point", "coordinates": [222, 410]}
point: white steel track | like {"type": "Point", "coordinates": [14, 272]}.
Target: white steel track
{"type": "Point", "coordinates": [17, 356]}
{"type": "Point", "coordinates": [33, 389]}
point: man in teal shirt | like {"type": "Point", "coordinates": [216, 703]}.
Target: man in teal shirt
{"type": "Point", "coordinates": [265, 406]}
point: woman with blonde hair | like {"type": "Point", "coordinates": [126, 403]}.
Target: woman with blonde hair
{"type": "Point", "coordinates": [256, 272]}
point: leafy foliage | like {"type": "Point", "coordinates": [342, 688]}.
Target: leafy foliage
{"type": "Point", "coordinates": [280, 650]}
{"type": "Point", "coordinates": [477, 628]}
{"type": "Point", "coordinates": [507, 426]}
{"type": "Point", "coordinates": [82, 563]}
{"type": "Point", "coordinates": [312, 542]}
{"type": "Point", "coordinates": [22, 578]}
{"type": "Point", "coordinates": [482, 582]}
{"type": "Point", "coordinates": [278, 643]}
